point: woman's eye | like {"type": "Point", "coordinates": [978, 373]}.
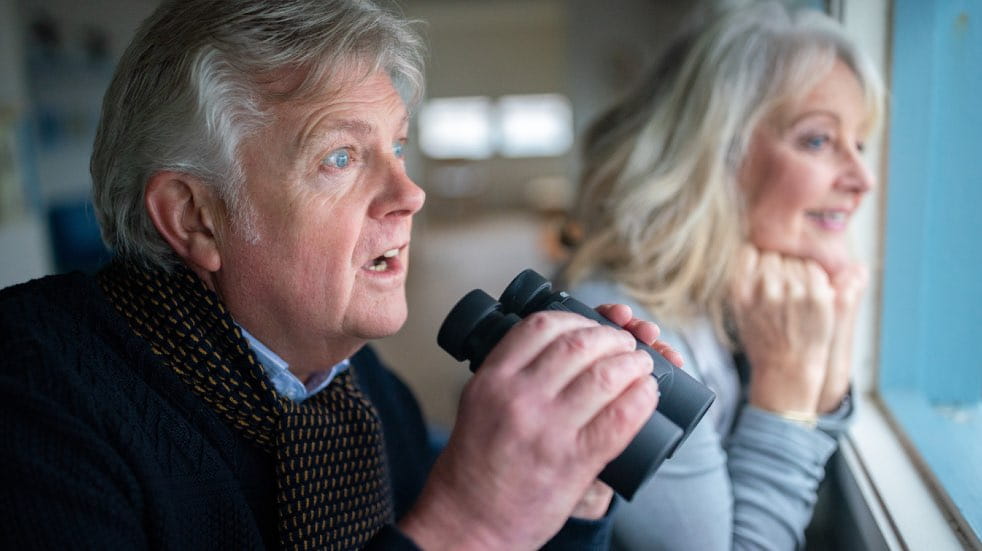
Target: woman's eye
{"type": "Point", "coordinates": [397, 149]}
{"type": "Point", "coordinates": [816, 141]}
{"type": "Point", "coordinates": [339, 158]}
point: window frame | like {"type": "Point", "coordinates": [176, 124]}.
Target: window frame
{"type": "Point", "coordinates": [893, 498]}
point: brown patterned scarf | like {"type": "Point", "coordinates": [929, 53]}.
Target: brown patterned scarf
{"type": "Point", "coordinates": [333, 491]}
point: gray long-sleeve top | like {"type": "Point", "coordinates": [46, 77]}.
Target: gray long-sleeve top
{"type": "Point", "coordinates": [744, 479]}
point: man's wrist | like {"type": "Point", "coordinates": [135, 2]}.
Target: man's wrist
{"type": "Point", "coordinates": [438, 524]}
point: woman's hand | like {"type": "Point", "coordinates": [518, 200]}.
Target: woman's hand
{"type": "Point", "coordinates": [785, 313]}
{"type": "Point", "coordinates": [849, 284]}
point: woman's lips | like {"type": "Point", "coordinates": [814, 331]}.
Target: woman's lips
{"type": "Point", "coordinates": [832, 219]}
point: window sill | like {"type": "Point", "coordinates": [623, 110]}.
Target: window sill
{"type": "Point", "coordinates": [892, 504]}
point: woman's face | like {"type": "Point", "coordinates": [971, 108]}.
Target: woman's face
{"type": "Point", "coordinates": [804, 177]}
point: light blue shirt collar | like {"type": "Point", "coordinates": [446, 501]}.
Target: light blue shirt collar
{"type": "Point", "coordinates": [284, 381]}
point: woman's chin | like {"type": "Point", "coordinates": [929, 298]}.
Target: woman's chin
{"type": "Point", "coordinates": [834, 264]}
{"type": "Point", "coordinates": [831, 259]}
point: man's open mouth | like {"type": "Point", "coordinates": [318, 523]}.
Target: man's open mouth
{"type": "Point", "coordinates": [381, 263]}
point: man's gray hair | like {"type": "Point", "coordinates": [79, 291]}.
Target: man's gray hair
{"type": "Point", "coordinates": [193, 84]}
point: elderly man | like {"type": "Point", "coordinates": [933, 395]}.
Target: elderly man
{"type": "Point", "coordinates": [211, 387]}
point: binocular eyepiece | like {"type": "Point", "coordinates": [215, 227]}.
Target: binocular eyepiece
{"type": "Point", "coordinates": [477, 322]}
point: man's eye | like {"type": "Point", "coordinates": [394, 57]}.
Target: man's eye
{"type": "Point", "coordinates": [339, 158]}
{"type": "Point", "coordinates": [397, 149]}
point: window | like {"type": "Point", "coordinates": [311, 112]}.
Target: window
{"type": "Point", "coordinates": [456, 128]}
{"type": "Point", "coordinates": [930, 374]}
{"type": "Point", "coordinates": [537, 125]}
{"type": "Point", "coordinates": [534, 126]}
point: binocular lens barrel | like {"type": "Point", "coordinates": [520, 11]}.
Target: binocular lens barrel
{"type": "Point", "coordinates": [477, 322]}
{"type": "Point", "coordinates": [473, 327]}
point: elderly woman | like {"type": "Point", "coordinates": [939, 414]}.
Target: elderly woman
{"type": "Point", "coordinates": [716, 200]}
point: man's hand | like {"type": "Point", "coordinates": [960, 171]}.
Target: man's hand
{"type": "Point", "coordinates": [556, 400]}
{"type": "Point", "coordinates": [596, 500]}
{"type": "Point", "coordinates": [645, 331]}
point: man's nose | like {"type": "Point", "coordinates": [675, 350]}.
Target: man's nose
{"type": "Point", "coordinates": [402, 197]}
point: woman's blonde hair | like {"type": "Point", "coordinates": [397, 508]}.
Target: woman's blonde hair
{"type": "Point", "coordinates": [659, 207]}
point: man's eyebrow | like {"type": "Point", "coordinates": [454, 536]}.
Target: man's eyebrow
{"type": "Point", "coordinates": [313, 137]}
{"type": "Point", "coordinates": [359, 127]}
{"type": "Point", "coordinates": [354, 126]}
{"type": "Point", "coordinates": [344, 126]}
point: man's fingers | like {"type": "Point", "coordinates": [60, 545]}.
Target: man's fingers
{"type": "Point", "coordinates": [669, 353]}
{"type": "Point", "coordinates": [596, 387]}
{"type": "Point", "coordinates": [618, 313]}
{"type": "Point", "coordinates": [571, 353]}
{"type": "Point", "coordinates": [645, 331]}
{"type": "Point", "coordinates": [524, 342]}
{"type": "Point", "coordinates": [595, 501]}
{"type": "Point", "coordinates": [612, 429]}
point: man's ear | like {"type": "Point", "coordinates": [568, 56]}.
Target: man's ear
{"type": "Point", "coordinates": [186, 215]}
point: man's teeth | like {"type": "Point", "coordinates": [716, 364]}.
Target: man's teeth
{"type": "Point", "coordinates": [379, 264]}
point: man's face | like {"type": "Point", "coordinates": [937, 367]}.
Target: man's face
{"type": "Point", "coordinates": [333, 209]}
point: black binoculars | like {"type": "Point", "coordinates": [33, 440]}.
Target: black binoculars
{"type": "Point", "coordinates": [477, 322]}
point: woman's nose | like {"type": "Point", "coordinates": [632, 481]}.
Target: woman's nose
{"type": "Point", "coordinates": [856, 176]}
